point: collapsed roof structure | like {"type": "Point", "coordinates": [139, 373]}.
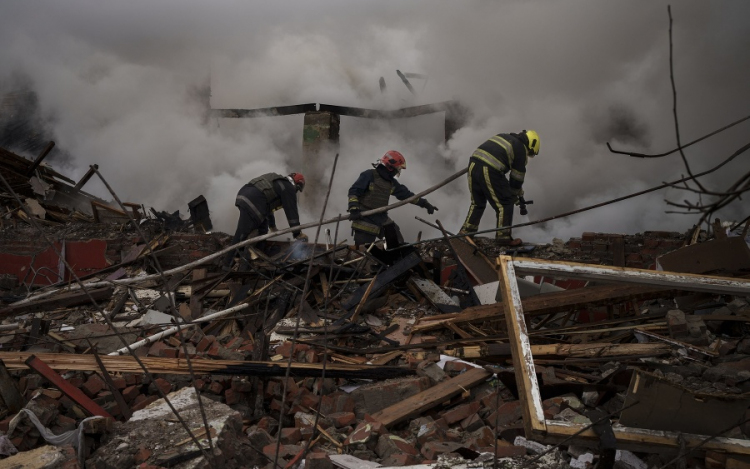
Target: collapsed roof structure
{"type": "Point", "coordinates": [124, 345]}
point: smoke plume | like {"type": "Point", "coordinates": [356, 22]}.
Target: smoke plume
{"type": "Point", "coordinates": [128, 86]}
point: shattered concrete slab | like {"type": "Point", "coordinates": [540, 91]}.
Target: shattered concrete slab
{"type": "Point", "coordinates": [154, 436]}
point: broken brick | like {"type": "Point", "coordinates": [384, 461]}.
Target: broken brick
{"type": "Point", "coordinates": [472, 422]}
{"type": "Point", "coordinates": [162, 384]}
{"type": "Point", "coordinates": [291, 435]}
{"type": "Point", "coordinates": [142, 403]}
{"type": "Point", "coordinates": [93, 385]}
{"type": "Point", "coordinates": [215, 388]}
{"type": "Point", "coordinates": [342, 419]}
{"type": "Point", "coordinates": [362, 434]}
{"type": "Point", "coordinates": [318, 461]}
{"type": "Point", "coordinates": [461, 412]}
{"type": "Point", "coordinates": [399, 460]}
{"type": "Point", "coordinates": [506, 414]}
{"type": "Point", "coordinates": [142, 455]}
{"type": "Point", "coordinates": [389, 444]}
{"type": "Point", "coordinates": [130, 393]}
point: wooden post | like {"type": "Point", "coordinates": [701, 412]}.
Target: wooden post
{"type": "Point", "coordinates": [523, 361]}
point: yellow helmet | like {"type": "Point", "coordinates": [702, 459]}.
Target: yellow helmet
{"type": "Point", "coordinates": [533, 144]}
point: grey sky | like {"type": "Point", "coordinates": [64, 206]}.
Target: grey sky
{"type": "Point", "coordinates": [115, 81]}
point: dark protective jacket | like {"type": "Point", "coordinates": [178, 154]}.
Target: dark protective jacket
{"type": "Point", "coordinates": [505, 153]}
{"type": "Point", "coordinates": [371, 190]}
{"type": "Point", "coordinates": [268, 193]}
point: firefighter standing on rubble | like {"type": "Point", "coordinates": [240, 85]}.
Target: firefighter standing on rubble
{"type": "Point", "coordinates": [501, 154]}
{"type": "Point", "coordinates": [371, 190]}
{"type": "Point", "coordinates": [258, 199]}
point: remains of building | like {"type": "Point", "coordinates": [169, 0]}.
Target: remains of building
{"type": "Point", "coordinates": [124, 345]}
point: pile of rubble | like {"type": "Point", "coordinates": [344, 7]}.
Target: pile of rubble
{"type": "Point", "coordinates": [459, 353]}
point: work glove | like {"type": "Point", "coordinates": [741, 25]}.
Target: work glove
{"type": "Point", "coordinates": [355, 214]}
{"type": "Point", "coordinates": [301, 237]}
{"type": "Point", "coordinates": [429, 207]}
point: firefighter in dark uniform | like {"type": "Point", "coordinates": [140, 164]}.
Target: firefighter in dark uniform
{"type": "Point", "coordinates": [372, 190]}
{"type": "Point", "coordinates": [258, 199]}
{"type": "Point", "coordinates": [488, 165]}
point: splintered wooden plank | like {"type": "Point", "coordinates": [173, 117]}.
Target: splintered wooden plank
{"type": "Point", "coordinates": [689, 282]}
{"type": "Point", "coordinates": [415, 405]}
{"type": "Point", "coordinates": [523, 361]}
{"type": "Point", "coordinates": [555, 302]}
{"type": "Point", "coordinates": [62, 300]}
{"type": "Point", "coordinates": [127, 364]}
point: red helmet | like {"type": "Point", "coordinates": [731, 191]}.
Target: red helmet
{"type": "Point", "coordinates": [393, 161]}
{"type": "Point", "coordinates": [299, 180]}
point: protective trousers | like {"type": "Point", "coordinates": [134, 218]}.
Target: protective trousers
{"type": "Point", "coordinates": [247, 199]}
{"type": "Point", "coordinates": [488, 184]}
{"type": "Point", "coordinates": [363, 237]}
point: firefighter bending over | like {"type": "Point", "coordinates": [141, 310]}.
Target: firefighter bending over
{"type": "Point", "coordinates": [258, 199]}
{"type": "Point", "coordinates": [488, 165]}
{"type": "Point", "coordinates": [372, 190]}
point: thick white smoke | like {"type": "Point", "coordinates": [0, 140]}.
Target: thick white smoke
{"type": "Point", "coordinates": [124, 85]}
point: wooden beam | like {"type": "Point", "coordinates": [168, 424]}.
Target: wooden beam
{"type": "Point", "coordinates": [689, 282]}
{"type": "Point", "coordinates": [63, 300]}
{"type": "Point", "coordinates": [644, 440]}
{"type": "Point", "coordinates": [523, 361]}
{"type": "Point", "coordinates": [555, 302]}
{"type": "Point", "coordinates": [417, 404]}
{"type": "Point", "coordinates": [563, 350]}
{"type": "Point", "coordinates": [40, 158]}
{"type": "Point", "coordinates": [678, 343]}
{"type": "Point", "coordinates": [127, 364]}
